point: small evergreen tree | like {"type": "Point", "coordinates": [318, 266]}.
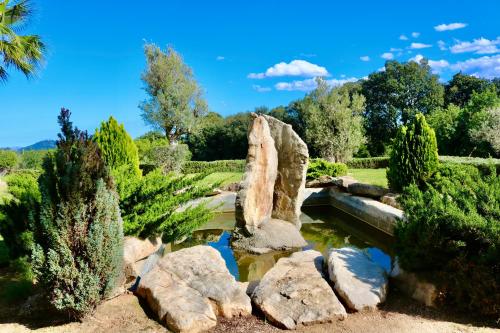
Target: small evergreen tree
{"type": "Point", "coordinates": [414, 155]}
{"type": "Point", "coordinates": [78, 239]}
{"type": "Point", "coordinates": [117, 147]}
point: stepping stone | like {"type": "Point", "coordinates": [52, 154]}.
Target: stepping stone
{"type": "Point", "coordinates": [294, 292]}
{"type": "Point", "coordinates": [188, 288]}
{"type": "Point", "coordinates": [360, 282]}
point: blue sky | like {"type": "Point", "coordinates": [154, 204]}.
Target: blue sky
{"type": "Point", "coordinates": [243, 53]}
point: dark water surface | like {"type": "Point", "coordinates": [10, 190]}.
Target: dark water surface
{"type": "Point", "coordinates": [323, 227]}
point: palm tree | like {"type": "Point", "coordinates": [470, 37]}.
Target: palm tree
{"type": "Point", "coordinates": [23, 52]}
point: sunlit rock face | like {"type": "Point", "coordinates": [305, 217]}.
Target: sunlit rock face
{"type": "Point", "coordinates": [254, 202]}
{"type": "Point", "coordinates": [293, 157]}
{"type": "Point", "coordinates": [269, 200]}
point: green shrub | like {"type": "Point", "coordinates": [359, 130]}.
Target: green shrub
{"type": "Point", "coordinates": [214, 166]}
{"type": "Point", "coordinates": [149, 205]}
{"type": "Point", "coordinates": [32, 159]}
{"type": "Point", "coordinates": [414, 156]}
{"type": "Point", "coordinates": [483, 164]}
{"type": "Point", "coordinates": [171, 158]}
{"type": "Point", "coordinates": [369, 163]}
{"type": "Point", "coordinates": [146, 144]}
{"type": "Point", "coordinates": [452, 236]}
{"type": "Point", "coordinates": [8, 160]}
{"type": "Point", "coordinates": [19, 211]}
{"type": "Point", "coordinates": [78, 248]}
{"type": "Point", "coordinates": [116, 146]}
{"type": "Point", "coordinates": [319, 167]}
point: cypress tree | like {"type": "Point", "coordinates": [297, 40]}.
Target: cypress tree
{"type": "Point", "coordinates": [78, 239]}
{"type": "Point", "coordinates": [117, 147]}
{"type": "Point", "coordinates": [414, 155]}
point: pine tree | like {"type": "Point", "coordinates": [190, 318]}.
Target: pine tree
{"type": "Point", "coordinates": [117, 147]}
{"type": "Point", "coordinates": [414, 155]}
{"type": "Point", "coordinates": [79, 239]}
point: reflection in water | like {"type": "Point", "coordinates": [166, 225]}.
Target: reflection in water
{"type": "Point", "coordinates": [323, 228]}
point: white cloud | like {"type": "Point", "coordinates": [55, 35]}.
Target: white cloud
{"type": "Point", "coordinates": [387, 56]}
{"type": "Point", "coordinates": [419, 45]}
{"type": "Point", "coordinates": [220, 58]}
{"type": "Point", "coordinates": [403, 37]}
{"type": "Point", "coordinates": [451, 26]}
{"type": "Point", "coordinates": [395, 49]}
{"type": "Point", "coordinates": [487, 67]}
{"type": "Point", "coordinates": [415, 34]}
{"type": "Point", "coordinates": [294, 68]}
{"type": "Point", "coordinates": [261, 89]}
{"type": "Point", "coordinates": [365, 58]}
{"type": "Point", "coordinates": [442, 45]}
{"type": "Point", "coordinates": [478, 46]}
{"type": "Point", "coordinates": [310, 84]}
{"type": "Point", "coordinates": [437, 66]}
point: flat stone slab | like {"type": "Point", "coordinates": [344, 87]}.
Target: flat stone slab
{"type": "Point", "coordinates": [360, 282]}
{"type": "Point", "coordinates": [273, 235]}
{"type": "Point", "coordinates": [294, 292]}
{"type": "Point", "coordinates": [188, 288]}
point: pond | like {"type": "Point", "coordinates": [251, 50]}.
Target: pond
{"type": "Point", "coordinates": [323, 227]}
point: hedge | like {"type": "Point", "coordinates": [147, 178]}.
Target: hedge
{"type": "Point", "coordinates": [214, 166]}
{"type": "Point", "coordinates": [369, 163]}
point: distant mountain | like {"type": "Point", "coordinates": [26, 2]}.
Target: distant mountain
{"type": "Point", "coordinates": [40, 145]}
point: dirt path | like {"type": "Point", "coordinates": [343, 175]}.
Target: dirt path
{"type": "Point", "coordinates": [399, 314]}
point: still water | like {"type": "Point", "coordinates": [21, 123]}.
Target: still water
{"type": "Point", "coordinates": [323, 227]}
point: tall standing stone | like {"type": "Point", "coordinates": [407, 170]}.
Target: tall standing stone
{"type": "Point", "coordinates": [293, 158]}
{"type": "Point", "coordinates": [269, 200]}
{"type": "Point", "coordinates": [254, 202]}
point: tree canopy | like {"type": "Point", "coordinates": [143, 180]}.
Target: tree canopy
{"type": "Point", "coordinates": [175, 103]}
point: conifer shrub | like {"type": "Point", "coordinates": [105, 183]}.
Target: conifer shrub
{"type": "Point", "coordinates": [78, 248]}
{"type": "Point", "coordinates": [117, 147]}
{"type": "Point", "coordinates": [320, 167]}
{"type": "Point", "coordinates": [150, 205]}
{"type": "Point", "coordinates": [452, 236]}
{"type": "Point", "coordinates": [19, 211]}
{"type": "Point", "coordinates": [414, 155]}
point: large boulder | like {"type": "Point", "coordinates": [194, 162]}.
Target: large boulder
{"type": "Point", "coordinates": [293, 158]}
{"type": "Point", "coordinates": [294, 292]}
{"type": "Point", "coordinates": [273, 235]}
{"type": "Point", "coordinates": [135, 250]}
{"type": "Point", "coordinates": [188, 288]}
{"type": "Point", "coordinates": [367, 190]}
{"type": "Point", "coordinates": [359, 281]}
{"type": "Point", "coordinates": [254, 201]}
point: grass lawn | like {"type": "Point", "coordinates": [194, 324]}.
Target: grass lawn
{"type": "Point", "coordinates": [225, 177]}
{"type": "Point", "coordinates": [370, 176]}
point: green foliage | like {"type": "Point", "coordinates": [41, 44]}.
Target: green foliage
{"type": "Point", "coordinates": [8, 160]}
{"type": "Point", "coordinates": [149, 206]}
{"type": "Point", "coordinates": [23, 52]}
{"type": "Point", "coordinates": [147, 144]}
{"type": "Point", "coordinates": [333, 122]}
{"type": "Point", "coordinates": [483, 164]}
{"type": "Point", "coordinates": [414, 156]}
{"type": "Point", "coordinates": [319, 167]}
{"type": "Point", "coordinates": [369, 163]}
{"type": "Point", "coordinates": [175, 104]}
{"type": "Point", "coordinates": [214, 166]}
{"type": "Point", "coordinates": [78, 248]}
{"type": "Point", "coordinates": [445, 122]}
{"type": "Point", "coordinates": [116, 146]}
{"type": "Point", "coordinates": [171, 158]}
{"type": "Point", "coordinates": [452, 236]}
{"type": "Point", "coordinates": [32, 159]}
{"type": "Point", "coordinates": [460, 88]}
{"type": "Point", "coordinates": [221, 139]}
{"type": "Point", "coordinates": [394, 97]}
{"type": "Point", "coordinates": [19, 211]}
